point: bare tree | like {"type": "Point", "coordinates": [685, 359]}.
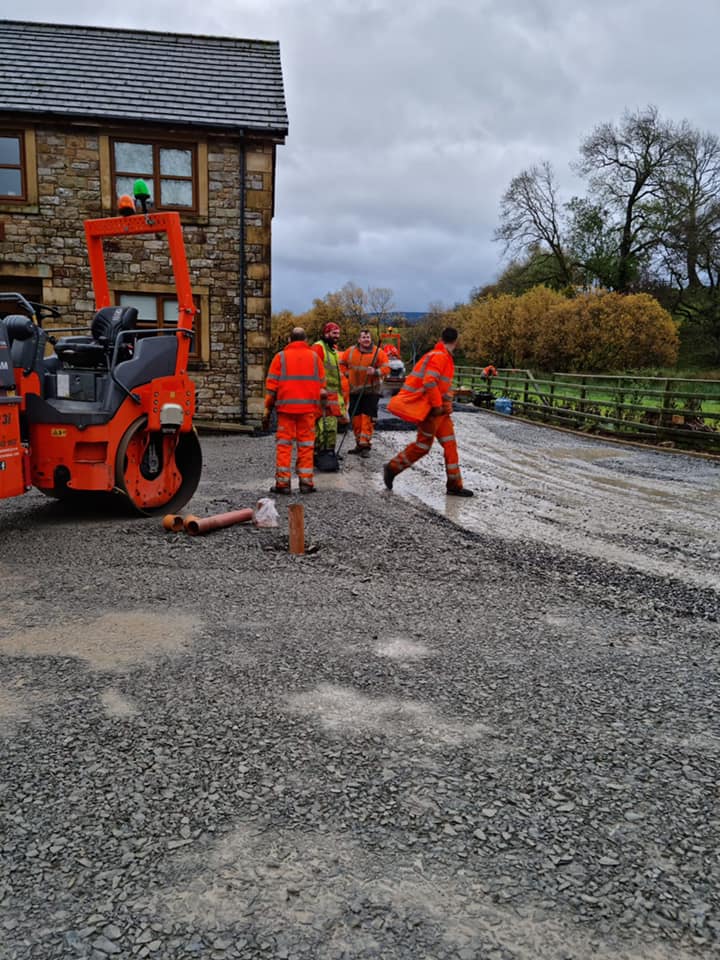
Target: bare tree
{"type": "Point", "coordinates": [354, 303]}
{"type": "Point", "coordinates": [380, 301]}
{"type": "Point", "coordinates": [628, 165]}
{"type": "Point", "coordinates": [531, 221]}
{"type": "Point", "coordinates": [691, 241]}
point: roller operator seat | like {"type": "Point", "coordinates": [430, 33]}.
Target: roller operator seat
{"type": "Point", "coordinates": [96, 351]}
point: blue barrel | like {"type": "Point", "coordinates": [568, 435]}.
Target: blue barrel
{"type": "Point", "coordinates": [503, 405]}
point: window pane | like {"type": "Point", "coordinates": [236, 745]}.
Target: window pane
{"type": "Point", "coordinates": [10, 150]}
{"type": "Point", "coordinates": [176, 193]}
{"type": "Point", "coordinates": [123, 185]}
{"type": "Point", "coordinates": [10, 183]}
{"type": "Point", "coordinates": [134, 158]}
{"type": "Point", "coordinates": [176, 163]}
{"type": "Point", "coordinates": [145, 303]}
{"type": "Point", "coordinates": [170, 312]}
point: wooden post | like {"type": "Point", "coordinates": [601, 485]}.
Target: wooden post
{"type": "Point", "coordinates": [296, 527]}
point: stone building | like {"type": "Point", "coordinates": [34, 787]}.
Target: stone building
{"type": "Point", "coordinates": [84, 111]}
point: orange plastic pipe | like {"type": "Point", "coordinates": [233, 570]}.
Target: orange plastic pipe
{"type": "Point", "coordinates": [173, 522]}
{"type": "Point", "coordinates": [201, 525]}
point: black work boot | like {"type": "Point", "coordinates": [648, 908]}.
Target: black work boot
{"type": "Point", "coordinates": [459, 492]}
{"type": "Point", "coordinates": [388, 476]}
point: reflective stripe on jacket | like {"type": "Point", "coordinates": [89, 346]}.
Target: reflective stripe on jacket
{"type": "Point", "coordinates": [295, 379]}
{"type": "Point", "coordinates": [428, 385]}
{"type": "Point", "coordinates": [354, 362]}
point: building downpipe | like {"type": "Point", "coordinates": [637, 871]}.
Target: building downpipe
{"type": "Point", "coordinates": [241, 267]}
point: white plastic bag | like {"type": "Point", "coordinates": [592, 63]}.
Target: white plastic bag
{"type": "Point", "coordinates": [265, 513]}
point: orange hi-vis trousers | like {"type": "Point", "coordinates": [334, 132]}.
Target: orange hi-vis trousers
{"type": "Point", "coordinates": [432, 428]}
{"type": "Point", "coordinates": [363, 411]}
{"type": "Point", "coordinates": [363, 429]}
{"type": "Point", "coordinates": [294, 428]}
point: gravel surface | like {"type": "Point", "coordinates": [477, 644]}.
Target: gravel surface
{"type": "Point", "coordinates": [480, 729]}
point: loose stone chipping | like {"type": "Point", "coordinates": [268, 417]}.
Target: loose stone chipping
{"type": "Point", "coordinates": [436, 737]}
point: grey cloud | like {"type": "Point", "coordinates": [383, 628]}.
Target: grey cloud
{"type": "Point", "coordinates": [408, 118]}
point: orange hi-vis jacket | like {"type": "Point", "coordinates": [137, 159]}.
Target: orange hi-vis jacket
{"type": "Point", "coordinates": [428, 385]}
{"type": "Point", "coordinates": [354, 363]}
{"type": "Point", "coordinates": [295, 379]}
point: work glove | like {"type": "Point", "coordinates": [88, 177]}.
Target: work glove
{"type": "Point", "coordinates": [265, 422]}
{"type": "Point", "coordinates": [436, 411]}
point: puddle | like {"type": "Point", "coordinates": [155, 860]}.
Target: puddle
{"type": "Point", "coordinates": [653, 512]}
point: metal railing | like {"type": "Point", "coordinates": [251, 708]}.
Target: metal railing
{"type": "Point", "coordinates": [663, 409]}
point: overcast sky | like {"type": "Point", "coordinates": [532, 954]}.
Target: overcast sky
{"type": "Point", "coordinates": [408, 118]}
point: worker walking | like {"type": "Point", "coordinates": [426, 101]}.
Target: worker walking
{"type": "Point", "coordinates": [365, 365]}
{"type": "Point", "coordinates": [326, 428]}
{"type": "Point", "coordinates": [426, 399]}
{"type": "Point", "coordinates": [295, 388]}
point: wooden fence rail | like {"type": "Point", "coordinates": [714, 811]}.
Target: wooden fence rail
{"type": "Point", "coordinates": [662, 408]}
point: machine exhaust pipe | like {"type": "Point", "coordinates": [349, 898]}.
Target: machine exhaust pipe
{"type": "Point", "coordinates": [197, 526]}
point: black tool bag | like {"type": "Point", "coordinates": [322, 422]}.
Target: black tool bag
{"type": "Point", "coordinates": [326, 461]}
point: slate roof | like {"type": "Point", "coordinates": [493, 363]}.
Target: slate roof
{"type": "Point", "coordinates": [161, 78]}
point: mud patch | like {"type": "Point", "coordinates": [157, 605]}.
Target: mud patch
{"type": "Point", "coordinates": [344, 710]}
{"type": "Point", "coordinates": [110, 642]}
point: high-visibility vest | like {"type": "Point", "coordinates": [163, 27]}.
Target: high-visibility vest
{"type": "Point", "coordinates": [428, 385]}
{"type": "Point", "coordinates": [295, 379]}
{"type": "Point", "coordinates": [335, 401]}
{"type": "Point", "coordinates": [355, 362]}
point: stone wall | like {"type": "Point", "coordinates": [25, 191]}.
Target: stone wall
{"type": "Point", "coordinates": [48, 242]}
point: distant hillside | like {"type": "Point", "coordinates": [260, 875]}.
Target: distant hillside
{"type": "Point", "coordinates": [412, 316]}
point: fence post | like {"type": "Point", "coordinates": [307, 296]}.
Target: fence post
{"type": "Point", "coordinates": [667, 403]}
{"type": "Point", "coordinates": [582, 404]}
{"type": "Point", "coordinates": [620, 399]}
{"type": "Point", "coordinates": [551, 398]}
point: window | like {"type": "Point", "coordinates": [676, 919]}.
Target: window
{"type": "Point", "coordinates": [12, 166]}
{"type": "Point", "coordinates": [160, 310]}
{"type": "Point", "coordinates": [169, 170]}
{"type": "Point", "coordinates": [30, 287]}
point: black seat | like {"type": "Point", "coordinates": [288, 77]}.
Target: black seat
{"type": "Point", "coordinates": [96, 351]}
